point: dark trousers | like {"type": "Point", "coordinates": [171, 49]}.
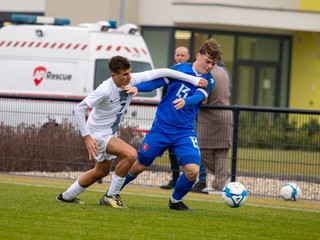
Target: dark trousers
{"type": "Point", "coordinates": [175, 168]}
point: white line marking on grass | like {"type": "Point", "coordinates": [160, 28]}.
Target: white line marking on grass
{"type": "Point", "coordinates": [163, 196]}
{"type": "Point", "coordinates": [216, 201]}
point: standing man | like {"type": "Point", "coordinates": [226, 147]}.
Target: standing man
{"type": "Point", "coordinates": [215, 128]}
{"type": "Point", "coordinates": [181, 54]}
{"type": "Point", "coordinates": [109, 102]}
{"type": "Point", "coordinates": [173, 126]}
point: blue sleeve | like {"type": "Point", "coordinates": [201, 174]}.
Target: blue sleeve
{"type": "Point", "coordinates": [175, 67]}
{"type": "Point", "coordinates": [150, 85]}
{"type": "Point", "coordinates": [211, 85]}
{"type": "Point", "coordinates": [196, 98]}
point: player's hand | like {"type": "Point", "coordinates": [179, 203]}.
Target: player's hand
{"type": "Point", "coordinates": [131, 89]}
{"type": "Point", "coordinates": [92, 146]}
{"type": "Point", "coordinates": [203, 83]}
{"type": "Point", "coordinates": [179, 103]}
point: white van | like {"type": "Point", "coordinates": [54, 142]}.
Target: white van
{"type": "Point", "coordinates": [60, 61]}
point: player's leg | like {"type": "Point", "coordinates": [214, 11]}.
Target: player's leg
{"type": "Point", "coordinates": [101, 169]}
{"type": "Point", "coordinates": [135, 170]}
{"type": "Point", "coordinates": [185, 181]}
{"type": "Point", "coordinates": [183, 186]}
{"type": "Point", "coordinates": [126, 155]}
{"type": "Point", "coordinates": [188, 153]}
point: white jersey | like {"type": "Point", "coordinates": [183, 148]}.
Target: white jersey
{"type": "Point", "coordinates": [109, 102]}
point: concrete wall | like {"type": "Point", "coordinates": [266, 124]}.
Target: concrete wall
{"type": "Point", "coordinates": [22, 5]}
{"type": "Point", "coordinates": [305, 68]}
{"type": "Point", "coordinates": [285, 4]}
{"type": "Point", "coordinates": [80, 11]}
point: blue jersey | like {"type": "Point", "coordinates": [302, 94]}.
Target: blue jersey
{"type": "Point", "coordinates": [167, 117]}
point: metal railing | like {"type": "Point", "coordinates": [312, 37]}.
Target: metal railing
{"type": "Point", "coordinates": [270, 146]}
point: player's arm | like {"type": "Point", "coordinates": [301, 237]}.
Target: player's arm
{"type": "Point", "coordinates": [154, 84]}
{"type": "Point", "coordinates": [149, 86]}
{"type": "Point", "coordinates": [167, 73]}
{"type": "Point", "coordinates": [80, 113]}
{"type": "Point", "coordinates": [81, 110]}
{"type": "Point", "coordinates": [146, 86]}
{"type": "Point", "coordinates": [196, 98]}
{"type": "Point", "coordinates": [199, 95]}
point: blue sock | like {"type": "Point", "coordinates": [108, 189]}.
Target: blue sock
{"type": "Point", "coordinates": [128, 179]}
{"type": "Point", "coordinates": [183, 186]}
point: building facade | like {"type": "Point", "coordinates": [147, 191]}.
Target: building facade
{"type": "Point", "coordinates": [271, 47]}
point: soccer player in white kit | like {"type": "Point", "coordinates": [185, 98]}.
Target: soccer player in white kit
{"type": "Point", "coordinates": [109, 103]}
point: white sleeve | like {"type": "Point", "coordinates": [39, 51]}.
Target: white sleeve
{"type": "Point", "coordinates": [163, 73]}
{"type": "Point", "coordinates": [80, 111]}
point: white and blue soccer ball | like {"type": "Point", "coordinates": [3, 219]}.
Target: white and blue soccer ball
{"type": "Point", "coordinates": [290, 191]}
{"type": "Point", "coordinates": [234, 194]}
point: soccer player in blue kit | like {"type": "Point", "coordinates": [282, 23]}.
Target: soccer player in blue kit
{"type": "Point", "coordinates": [174, 122]}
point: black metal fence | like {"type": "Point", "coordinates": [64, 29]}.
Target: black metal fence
{"type": "Point", "coordinates": [270, 147]}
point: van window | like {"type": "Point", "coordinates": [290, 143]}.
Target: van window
{"type": "Point", "coordinates": [102, 73]}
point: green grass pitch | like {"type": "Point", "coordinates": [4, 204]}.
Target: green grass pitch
{"type": "Point", "coordinates": [28, 210]}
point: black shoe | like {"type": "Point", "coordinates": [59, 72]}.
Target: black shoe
{"type": "Point", "coordinates": [59, 198]}
{"type": "Point", "coordinates": [170, 185]}
{"type": "Point", "coordinates": [179, 206]}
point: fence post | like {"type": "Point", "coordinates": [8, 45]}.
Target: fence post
{"type": "Point", "coordinates": [236, 113]}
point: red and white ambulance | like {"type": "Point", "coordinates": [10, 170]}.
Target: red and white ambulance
{"type": "Point", "coordinates": [41, 56]}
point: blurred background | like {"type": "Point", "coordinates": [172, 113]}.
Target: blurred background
{"type": "Point", "coordinates": [271, 47]}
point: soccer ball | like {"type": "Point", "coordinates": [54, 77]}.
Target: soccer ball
{"type": "Point", "coordinates": [234, 194]}
{"type": "Point", "coordinates": [290, 191]}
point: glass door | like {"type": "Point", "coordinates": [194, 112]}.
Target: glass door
{"type": "Point", "coordinates": [256, 85]}
{"type": "Point", "coordinates": [266, 96]}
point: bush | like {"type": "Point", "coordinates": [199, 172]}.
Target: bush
{"type": "Point", "coordinates": [262, 131]}
{"type": "Point", "coordinates": [52, 147]}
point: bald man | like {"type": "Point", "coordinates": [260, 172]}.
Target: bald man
{"type": "Point", "coordinates": [181, 54]}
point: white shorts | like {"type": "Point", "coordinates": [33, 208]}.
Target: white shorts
{"type": "Point", "coordinates": [102, 141]}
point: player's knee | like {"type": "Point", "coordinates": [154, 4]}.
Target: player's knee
{"type": "Point", "coordinates": [132, 155]}
{"type": "Point", "coordinates": [191, 171]}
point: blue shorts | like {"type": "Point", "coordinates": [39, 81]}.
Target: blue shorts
{"type": "Point", "coordinates": [156, 142]}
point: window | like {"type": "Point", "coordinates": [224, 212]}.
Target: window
{"type": "Point", "coordinates": [101, 72]}
{"type": "Point", "coordinates": [158, 44]}
{"type": "Point", "coordinates": [199, 39]}
{"type": "Point", "coordinates": [182, 38]}
{"type": "Point", "coordinates": [259, 49]}
{"type": "Point", "coordinates": [259, 64]}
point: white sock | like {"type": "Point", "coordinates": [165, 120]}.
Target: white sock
{"type": "Point", "coordinates": [74, 190]}
{"type": "Point", "coordinates": [174, 200]}
{"type": "Point", "coordinates": [116, 184]}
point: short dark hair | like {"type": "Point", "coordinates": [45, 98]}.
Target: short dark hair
{"type": "Point", "coordinates": [118, 63]}
{"type": "Point", "coordinates": [211, 48]}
